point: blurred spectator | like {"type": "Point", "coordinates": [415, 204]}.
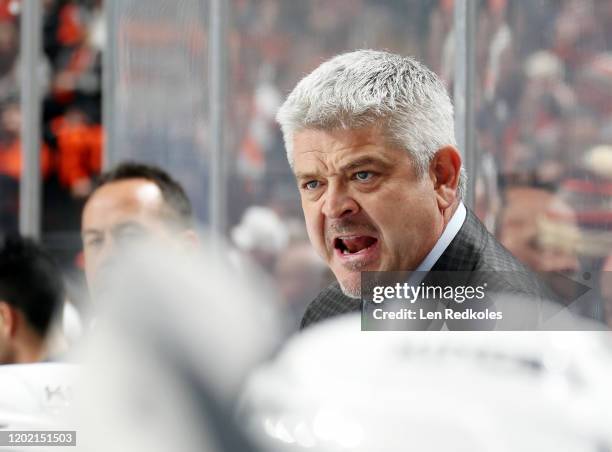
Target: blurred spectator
{"type": "Point", "coordinates": [499, 58]}
{"type": "Point", "coordinates": [9, 48]}
{"type": "Point", "coordinates": [540, 230]}
{"type": "Point", "coordinates": [594, 84]}
{"type": "Point", "coordinates": [79, 147]}
{"type": "Point", "coordinates": [10, 144]}
{"type": "Point", "coordinates": [441, 45]}
{"type": "Point", "coordinates": [581, 131]}
{"type": "Point", "coordinates": [520, 231]}
{"type": "Point", "coordinates": [31, 293]}
{"type": "Point", "coordinates": [576, 35]}
{"type": "Point", "coordinates": [588, 192]}
{"type": "Point", "coordinates": [72, 43]}
{"type": "Point", "coordinates": [132, 202]}
{"type": "Point", "coordinates": [11, 163]}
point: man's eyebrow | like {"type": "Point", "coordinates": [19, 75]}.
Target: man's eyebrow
{"type": "Point", "coordinates": [365, 161]}
{"type": "Point", "coordinates": [127, 225]}
{"type": "Point", "coordinates": [380, 162]}
{"type": "Point", "coordinates": [90, 231]}
{"type": "Point", "coordinates": [302, 176]}
{"type": "Point", "coordinates": [117, 227]}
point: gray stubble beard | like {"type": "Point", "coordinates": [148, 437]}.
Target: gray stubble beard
{"type": "Point", "coordinates": [351, 291]}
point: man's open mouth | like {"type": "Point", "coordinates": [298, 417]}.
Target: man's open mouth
{"type": "Point", "coordinates": [354, 244]}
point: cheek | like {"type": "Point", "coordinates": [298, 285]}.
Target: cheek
{"type": "Point", "coordinates": [384, 212]}
{"type": "Point", "coordinates": [90, 271]}
{"type": "Point", "coordinates": [314, 224]}
{"type": "Point", "coordinates": [91, 261]}
{"type": "Point", "coordinates": [88, 257]}
{"type": "Point", "coordinates": [314, 230]}
{"type": "Point", "coordinates": [402, 224]}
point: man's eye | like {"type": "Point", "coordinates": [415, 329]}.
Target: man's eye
{"type": "Point", "coordinates": [93, 243]}
{"type": "Point", "coordinates": [311, 185]}
{"type": "Point", "coordinates": [363, 176]}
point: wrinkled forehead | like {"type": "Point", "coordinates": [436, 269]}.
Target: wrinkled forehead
{"type": "Point", "coordinates": [339, 148]}
{"type": "Point", "coordinates": [136, 200]}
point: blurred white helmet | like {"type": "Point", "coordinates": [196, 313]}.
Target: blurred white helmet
{"type": "Point", "coordinates": [260, 229]}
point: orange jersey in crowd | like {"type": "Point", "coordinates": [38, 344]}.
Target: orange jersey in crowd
{"type": "Point", "coordinates": [79, 148]}
{"type": "Point", "coordinates": [10, 160]}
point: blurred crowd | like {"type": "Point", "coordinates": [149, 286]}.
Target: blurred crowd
{"type": "Point", "coordinates": [70, 80]}
{"type": "Point", "coordinates": [543, 97]}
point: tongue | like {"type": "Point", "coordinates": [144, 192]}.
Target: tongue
{"type": "Point", "coordinates": [356, 244]}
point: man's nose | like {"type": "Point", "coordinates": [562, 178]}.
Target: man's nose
{"type": "Point", "coordinates": [338, 203]}
{"type": "Point", "coordinates": [107, 260]}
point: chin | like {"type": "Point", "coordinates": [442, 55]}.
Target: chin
{"type": "Point", "coordinates": [351, 287]}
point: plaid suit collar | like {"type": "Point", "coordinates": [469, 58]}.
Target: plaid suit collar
{"type": "Point", "coordinates": [465, 250]}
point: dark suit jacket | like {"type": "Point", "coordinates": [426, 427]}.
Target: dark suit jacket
{"type": "Point", "coordinates": [473, 249]}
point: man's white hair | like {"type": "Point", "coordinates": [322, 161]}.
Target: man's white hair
{"type": "Point", "coordinates": [371, 87]}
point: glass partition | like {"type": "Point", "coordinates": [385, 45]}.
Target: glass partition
{"type": "Point", "coordinates": [544, 91]}
{"type": "Point", "coordinates": [157, 98]}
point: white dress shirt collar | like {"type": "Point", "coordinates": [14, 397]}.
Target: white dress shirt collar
{"type": "Point", "coordinates": [450, 231]}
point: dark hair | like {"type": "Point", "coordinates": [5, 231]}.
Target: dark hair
{"type": "Point", "coordinates": [30, 281]}
{"type": "Point", "coordinates": [172, 192]}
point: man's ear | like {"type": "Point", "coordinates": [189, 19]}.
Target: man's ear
{"type": "Point", "coordinates": [445, 169]}
{"type": "Point", "coordinates": [8, 320]}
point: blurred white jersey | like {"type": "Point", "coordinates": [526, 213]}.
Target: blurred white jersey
{"type": "Point", "coordinates": [35, 395]}
{"type": "Point", "coordinates": [335, 387]}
